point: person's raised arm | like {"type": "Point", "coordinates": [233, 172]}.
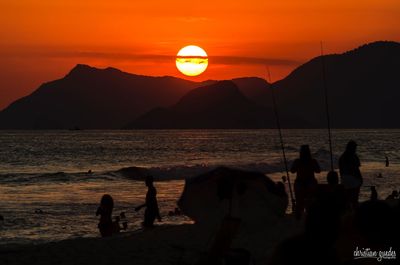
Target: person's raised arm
{"type": "Point", "coordinates": [137, 208]}
{"type": "Point", "coordinates": [98, 212]}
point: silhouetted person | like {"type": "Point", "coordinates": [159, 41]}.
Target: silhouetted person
{"type": "Point", "coordinates": [305, 184]}
{"type": "Point", "coordinates": [329, 238]}
{"type": "Point", "coordinates": [393, 195]}
{"type": "Point", "coordinates": [332, 178]}
{"type": "Point", "coordinates": [386, 161]}
{"type": "Point", "coordinates": [105, 211]}
{"type": "Point", "coordinates": [123, 220]}
{"type": "Point", "coordinates": [175, 212]}
{"type": "Point", "coordinates": [374, 194]}
{"type": "Point", "coordinates": [333, 188]}
{"type": "Point", "coordinates": [1, 218]}
{"type": "Point", "coordinates": [39, 211]}
{"type": "Point", "coordinates": [331, 195]}
{"type": "Point", "coordinates": [316, 244]}
{"type": "Point", "coordinates": [349, 165]}
{"type": "Point", "coordinates": [152, 212]}
{"type": "Point", "coordinates": [116, 225]}
{"type": "Point", "coordinates": [280, 189]}
{"type": "Point", "coordinates": [284, 179]}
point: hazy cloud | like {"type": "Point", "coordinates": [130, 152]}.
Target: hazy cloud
{"type": "Point", "coordinates": [161, 58]}
{"type": "Point", "coordinates": [225, 60]}
{"type": "Point", "coordinates": [252, 60]}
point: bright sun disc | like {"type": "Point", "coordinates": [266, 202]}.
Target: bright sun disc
{"type": "Point", "coordinates": [191, 60]}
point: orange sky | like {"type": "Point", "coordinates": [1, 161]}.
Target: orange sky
{"type": "Point", "coordinates": [41, 40]}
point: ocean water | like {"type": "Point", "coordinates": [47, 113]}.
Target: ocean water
{"type": "Point", "coordinates": [47, 170]}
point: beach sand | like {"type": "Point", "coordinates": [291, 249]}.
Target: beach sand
{"type": "Point", "coordinates": [164, 244]}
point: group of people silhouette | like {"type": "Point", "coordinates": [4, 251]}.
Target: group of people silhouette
{"type": "Point", "coordinates": [329, 200]}
{"type": "Point", "coordinates": [108, 227]}
{"type": "Point", "coordinates": [335, 222]}
{"type": "Point", "coordinates": [306, 185]}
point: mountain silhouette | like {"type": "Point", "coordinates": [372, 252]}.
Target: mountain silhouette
{"type": "Point", "coordinates": [256, 89]}
{"type": "Point", "coordinates": [92, 98]}
{"type": "Point", "coordinates": [217, 106]}
{"type": "Point", "coordinates": [363, 88]}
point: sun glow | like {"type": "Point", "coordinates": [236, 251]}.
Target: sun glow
{"type": "Point", "coordinates": [192, 60]}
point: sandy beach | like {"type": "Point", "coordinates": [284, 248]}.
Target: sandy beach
{"type": "Point", "coordinates": [164, 244]}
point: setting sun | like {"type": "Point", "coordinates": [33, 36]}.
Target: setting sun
{"type": "Point", "coordinates": [110, 151]}
{"type": "Point", "coordinates": [191, 60]}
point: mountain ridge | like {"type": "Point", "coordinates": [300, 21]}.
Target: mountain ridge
{"type": "Point", "coordinates": [217, 106]}
{"type": "Point", "coordinates": [362, 85]}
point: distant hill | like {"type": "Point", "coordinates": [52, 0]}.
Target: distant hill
{"type": "Point", "coordinates": [92, 98]}
{"type": "Point", "coordinates": [218, 106]}
{"type": "Point", "coordinates": [256, 89]}
{"type": "Point", "coordinates": [363, 85]}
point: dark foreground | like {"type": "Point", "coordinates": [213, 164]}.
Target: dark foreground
{"type": "Point", "coordinates": [287, 241]}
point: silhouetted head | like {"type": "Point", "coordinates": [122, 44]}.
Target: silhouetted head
{"type": "Point", "coordinates": [351, 147]}
{"type": "Point", "coordinates": [149, 181]}
{"type": "Point", "coordinates": [395, 193]}
{"type": "Point", "coordinates": [305, 153]}
{"type": "Point", "coordinates": [332, 178]}
{"type": "Point", "coordinates": [107, 201]}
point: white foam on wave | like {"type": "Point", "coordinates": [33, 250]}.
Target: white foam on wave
{"type": "Point", "coordinates": [162, 173]}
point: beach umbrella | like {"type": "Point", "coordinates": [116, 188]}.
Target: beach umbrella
{"type": "Point", "coordinates": [250, 196]}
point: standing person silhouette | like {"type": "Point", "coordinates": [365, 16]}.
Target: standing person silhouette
{"type": "Point", "coordinates": [349, 166]}
{"type": "Point", "coordinates": [105, 211]}
{"type": "Point", "coordinates": [305, 184]}
{"type": "Point", "coordinates": [152, 211]}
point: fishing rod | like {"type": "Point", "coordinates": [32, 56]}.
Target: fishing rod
{"type": "Point", "coordinates": [328, 118]}
{"type": "Point", "coordinates": [278, 124]}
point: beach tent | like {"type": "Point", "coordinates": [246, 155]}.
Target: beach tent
{"type": "Point", "coordinates": [249, 196]}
